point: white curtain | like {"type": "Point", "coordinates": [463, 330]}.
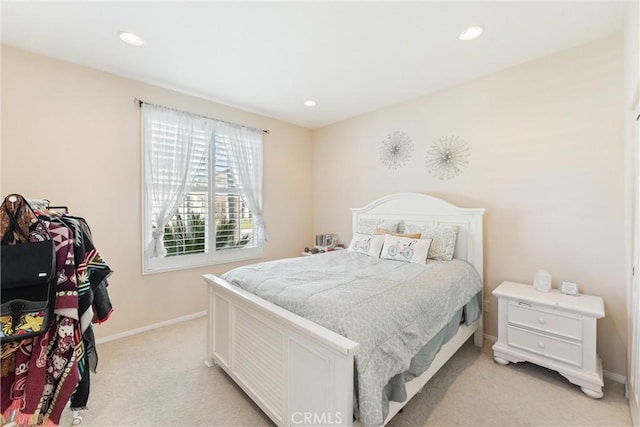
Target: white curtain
{"type": "Point", "coordinates": [176, 149]}
{"type": "Point", "coordinates": [245, 162]}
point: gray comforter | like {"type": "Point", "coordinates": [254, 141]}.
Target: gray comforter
{"type": "Point", "coordinates": [391, 308]}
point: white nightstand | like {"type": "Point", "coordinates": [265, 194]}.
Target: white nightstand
{"type": "Point", "coordinates": [550, 329]}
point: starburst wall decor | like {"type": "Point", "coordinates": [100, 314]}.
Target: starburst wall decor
{"type": "Point", "coordinates": [395, 150]}
{"type": "Point", "coordinates": [447, 157]}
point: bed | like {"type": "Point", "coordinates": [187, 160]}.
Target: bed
{"type": "Point", "coordinates": [300, 370]}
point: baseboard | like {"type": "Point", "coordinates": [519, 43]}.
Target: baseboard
{"type": "Point", "coordinates": [615, 377]}
{"type": "Point", "coordinates": [150, 327]}
{"type": "Point", "coordinates": [609, 375]}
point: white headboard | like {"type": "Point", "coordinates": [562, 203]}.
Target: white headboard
{"type": "Point", "coordinates": [428, 210]}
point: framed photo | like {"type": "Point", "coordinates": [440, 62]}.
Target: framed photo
{"type": "Point", "coordinates": [569, 288]}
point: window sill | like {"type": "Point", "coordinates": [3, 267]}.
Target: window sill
{"type": "Point", "coordinates": [187, 262]}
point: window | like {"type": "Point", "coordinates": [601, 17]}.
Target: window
{"type": "Point", "coordinates": [202, 191]}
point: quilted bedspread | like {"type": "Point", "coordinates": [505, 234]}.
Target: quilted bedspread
{"type": "Point", "coordinates": [391, 308]}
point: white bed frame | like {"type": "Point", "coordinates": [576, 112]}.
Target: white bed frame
{"type": "Point", "coordinates": [300, 373]}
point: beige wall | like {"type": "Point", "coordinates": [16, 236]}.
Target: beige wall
{"type": "Point", "coordinates": [547, 163]}
{"type": "Point", "coordinates": [72, 135]}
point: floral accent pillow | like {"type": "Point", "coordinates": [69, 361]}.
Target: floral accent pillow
{"type": "Point", "coordinates": [369, 225]}
{"type": "Point", "coordinates": [366, 244]}
{"type": "Point", "coordinates": [409, 227]}
{"type": "Point", "coordinates": [444, 241]}
{"type": "Point", "coordinates": [405, 249]}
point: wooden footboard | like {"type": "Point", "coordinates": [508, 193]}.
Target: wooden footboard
{"type": "Point", "coordinates": [296, 371]}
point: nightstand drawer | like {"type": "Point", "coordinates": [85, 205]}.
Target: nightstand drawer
{"type": "Point", "coordinates": [558, 349]}
{"type": "Point", "coordinates": [524, 314]}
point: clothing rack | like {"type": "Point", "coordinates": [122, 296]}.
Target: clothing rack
{"type": "Point", "coordinates": [57, 208]}
{"type": "Point", "coordinates": [73, 241]}
{"type": "Point", "coordinates": [37, 204]}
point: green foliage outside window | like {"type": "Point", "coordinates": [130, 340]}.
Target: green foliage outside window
{"type": "Point", "coordinates": [224, 235]}
{"type": "Point", "coordinates": [180, 239]}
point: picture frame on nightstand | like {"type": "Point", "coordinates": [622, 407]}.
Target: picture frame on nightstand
{"type": "Point", "coordinates": [569, 288]}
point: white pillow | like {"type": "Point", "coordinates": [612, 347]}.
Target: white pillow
{"type": "Point", "coordinates": [369, 225]}
{"type": "Point", "coordinates": [366, 244]}
{"type": "Point", "coordinates": [405, 249]}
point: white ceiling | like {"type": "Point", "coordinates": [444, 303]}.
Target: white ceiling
{"type": "Point", "coordinates": [269, 57]}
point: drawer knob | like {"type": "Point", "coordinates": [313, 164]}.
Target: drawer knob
{"type": "Point", "coordinates": [540, 344]}
{"type": "Point", "coordinates": [541, 320]}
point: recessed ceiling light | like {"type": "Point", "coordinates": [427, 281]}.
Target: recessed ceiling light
{"type": "Point", "coordinates": [310, 103]}
{"type": "Point", "coordinates": [471, 33]}
{"type": "Point", "coordinates": [131, 39]}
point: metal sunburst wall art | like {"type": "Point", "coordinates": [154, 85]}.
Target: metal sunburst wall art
{"type": "Point", "coordinates": [448, 157]}
{"type": "Point", "coordinates": [395, 150]}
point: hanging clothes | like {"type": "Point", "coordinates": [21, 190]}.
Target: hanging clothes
{"type": "Point", "coordinates": [92, 271]}
{"type": "Point", "coordinates": [39, 376]}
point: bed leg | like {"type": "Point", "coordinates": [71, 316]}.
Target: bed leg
{"type": "Point", "coordinates": [210, 363]}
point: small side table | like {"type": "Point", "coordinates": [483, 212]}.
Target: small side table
{"type": "Point", "coordinates": [550, 329]}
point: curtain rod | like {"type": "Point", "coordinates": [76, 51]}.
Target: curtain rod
{"type": "Point", "coordinates": [139, 102]}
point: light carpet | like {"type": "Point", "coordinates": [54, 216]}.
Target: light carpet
{"type": "Point", "coordinates": [158, 378]}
